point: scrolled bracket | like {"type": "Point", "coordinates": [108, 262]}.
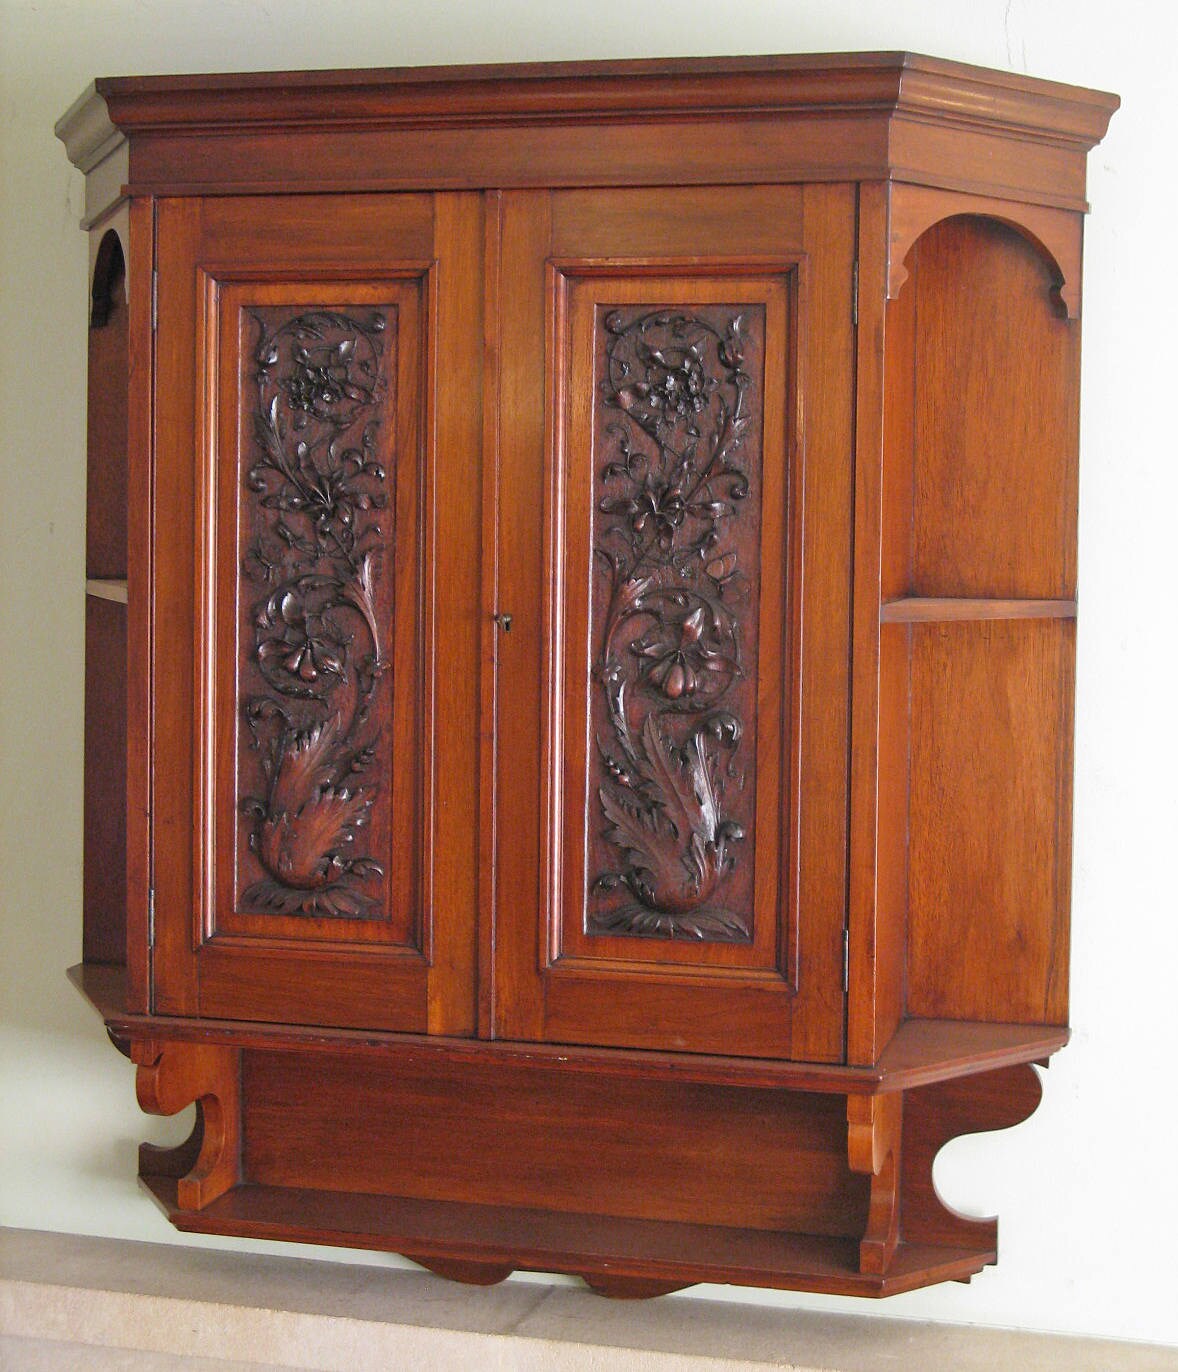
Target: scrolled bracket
{"type": "Point", "coordinates": [933, 1116]}
{"type": "Point", "coordinates": [172, 1076]}
{"type": "Point", "coordinates": [874, 1131]}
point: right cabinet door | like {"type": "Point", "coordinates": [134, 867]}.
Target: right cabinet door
{"type": "Point", "coordinates": [674, 515]}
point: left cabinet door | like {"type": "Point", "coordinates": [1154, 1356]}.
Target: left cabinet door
{"type": "Point", "coordinates": [314, 565]}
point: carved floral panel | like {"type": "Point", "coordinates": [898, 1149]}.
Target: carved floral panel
{"type": "Point", "coordinates": [674, 599]}
{"type": "Point", "coordinates": [314, 679]}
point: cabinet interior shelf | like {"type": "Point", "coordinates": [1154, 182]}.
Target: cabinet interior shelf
{"type": "Point", "coordinates": [107, 588]}
{"type": "Point", "coordinates": [946, 609]}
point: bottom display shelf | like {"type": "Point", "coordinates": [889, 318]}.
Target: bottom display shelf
{"type": "Point", "coordinates": [476, 1167]}
{"type": "Point", "coordinates": [616, 1256]}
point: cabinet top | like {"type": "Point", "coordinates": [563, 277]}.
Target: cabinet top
{"type": "Point", "coordinates": [848, 106]}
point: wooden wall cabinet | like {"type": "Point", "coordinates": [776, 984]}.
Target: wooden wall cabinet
{"type": "Point", "coordinates": [580, 651]}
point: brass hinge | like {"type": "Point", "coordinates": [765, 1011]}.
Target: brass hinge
{"type": "Point", "coordinates": [855, 294]}
{"type": "Point", "coordinates": [846, 959]}
{"type": "Point", "coordinates": [155, 299]}
{"type": "Point", "coordinates": [151, 917]}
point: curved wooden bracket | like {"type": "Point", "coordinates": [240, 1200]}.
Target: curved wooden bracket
{"type": "Point", "coordinates": [172, 1076]}
{"type": "Point", "coordinates": [1056, 234]}
{"type": "Point", "coordinates": [874, 1128]}
{"type": "Point", "coordinates": [470, 1271]}
{"type": "Point", "coordinates": [621, 1288]}
{"type": "Point", "coordinates": [933, 1115]}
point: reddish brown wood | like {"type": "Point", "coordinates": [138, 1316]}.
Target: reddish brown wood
{"type": "Point", "coordinates": [675, 992]}
{"type": "Point", "coordinates": [987, 337]}
{"type": "Point", "coordinates": [172, 1076]}
{"type": "Point", "coordinates": [875, 1125]}
{"type": "Point", "coordinates": [512, 1133]}
{"type": "Point", "coordinates": [178, 1161]}
{"type": "Point", "coordinates": [922, 1051]}
{"type": "Point", "coordinates": [1055, 233]}
{"type": "Point", "coordinates": [936, 1114]}
{"type": "Point", "coordinates": [164, 605]}
{"type": "Point", "coordinates": [370, 965]}
{"type": "Point", "coordinates": [104, 871]}
{"type": "Point", "coordinates": [139, 799]}
{"type": "Point", "coordinates": [589, 1246]}
{"type": "Point", "coordinates": [928, 1050]}
{"type": "Point", "coordinates": [874, 923]}
{"type": "Point", "coordinates": [931, 610]}
{"type": "Point", "coordinates": [991, 731]}
{"type": "Point", "coordinates": [630, 1288]}
{"type": "Point", "coordinates": [472, 1273]}
{"type": "Point", "coordinates": [757, 119]}
{"type": "Point", "coordinates": [319, 833]}
{"type": "Point", "coordinates": [673, 557]}
{"type": "Point", "coordinates": [106, 413]}
{"type": "Point", "coordinates": [519, 938]}
{"type": "Point", "coordinates": [104, 851]}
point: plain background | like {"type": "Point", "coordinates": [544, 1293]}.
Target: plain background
{"type": "Point", "coordinates": [1087, 1189]}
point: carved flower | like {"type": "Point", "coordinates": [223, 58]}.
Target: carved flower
{"type": "Point", "coordinates": [327, 382]}
{"type": "Point", "coordinates": [658, 508]}
{"type": "Point", "coordinates": [307, 644]}
{"type": "Point", "coordinates": [678, 390]}
{"type": "Point", "coordinates": [682, 658]}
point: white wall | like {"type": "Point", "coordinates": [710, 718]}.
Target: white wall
{"type": "Point", "coordinates": [1087, 1189]}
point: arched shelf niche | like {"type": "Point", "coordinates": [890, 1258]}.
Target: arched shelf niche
{"type": "Point", "coordinates": [104, 825]}
{"type": "Point", "coordinates": [108, 280]}
{"type": "Point", "coordinates": [1056, 235]}
{"type": "Point", "coordinates": [978, 582]}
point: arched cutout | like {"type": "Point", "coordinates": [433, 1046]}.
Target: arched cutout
{"type": "Point", "coordinates": [981, 409]}
{"type": "Point", "coordinates": [1054, 234]}
{"type": "Point", "coordinates": [110, 274]}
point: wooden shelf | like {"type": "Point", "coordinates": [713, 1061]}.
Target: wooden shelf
{"type": "Point", "coordinates": [601, 1248]}
{"type": "Point", "coordinates": [948, 609]}
{"type": "Point", "coordinates": [922, 1052]}
{"type": "Point", "coordinates": [107, 589]}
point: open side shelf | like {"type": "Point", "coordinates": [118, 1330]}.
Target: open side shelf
{"type": "Point", "coordinates": [107, 588]}
{"type": "Point", "coordinates": [947, 609]}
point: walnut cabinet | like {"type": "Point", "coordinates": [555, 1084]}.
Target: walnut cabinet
{"type": "Point", "coordinates": [580, 642]}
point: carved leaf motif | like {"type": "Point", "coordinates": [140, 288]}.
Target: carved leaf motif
{"type": "Point", "coordinates": [301, 847]}
{"type": "Point", "coordinates": [313, 490]}
{"type": "Point", "coordinates": [675, 609]}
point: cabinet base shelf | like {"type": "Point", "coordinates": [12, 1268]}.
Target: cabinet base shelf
{"type": "Point", "coordinates": [477, 1167]}
{"type": "Point", "coordinates": [617, 1256]}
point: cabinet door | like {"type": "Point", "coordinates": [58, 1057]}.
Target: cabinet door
{"type": "Point", "coordinates": [674, 549]}
{"type": "Point", "coordinates": [315, 565]}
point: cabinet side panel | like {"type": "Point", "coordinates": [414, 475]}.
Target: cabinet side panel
{"type": "Point", "coordinates": [104, 865]}
{"type": "Point", "coordinates": [996, 414]}
{"type": "Point", "coordinates": [990, 820]}
{"type": "Point", "coordinates": [171, 537]}
{"type": "Point", "coordinates": [106, 414]}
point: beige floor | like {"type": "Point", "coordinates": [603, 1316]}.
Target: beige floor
{"type": "Point", "coordinates": [70, 1303]}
